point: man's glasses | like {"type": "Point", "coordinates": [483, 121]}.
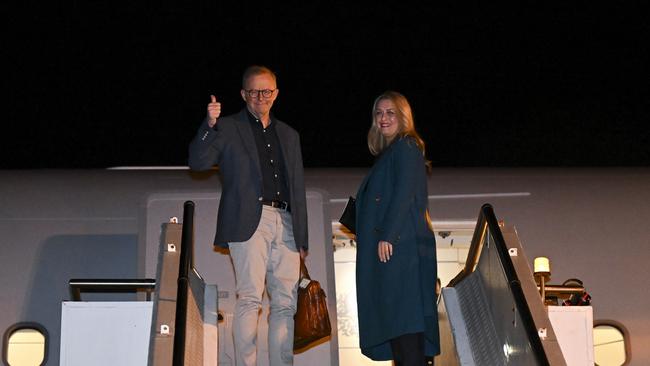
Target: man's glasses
{"type": "Point", "coordinates": [265, 93]}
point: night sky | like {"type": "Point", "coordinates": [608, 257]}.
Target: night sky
{"type": "Point", "coordinates": [95, 84]}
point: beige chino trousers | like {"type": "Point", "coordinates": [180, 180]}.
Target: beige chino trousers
{"type": "Point", "coordinates": [270, 258]}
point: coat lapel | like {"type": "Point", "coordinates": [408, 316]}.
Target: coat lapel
{"type": "Point", "coordinates": [378, 162]}
{"type": "Point", "coordinates": [248, 140]}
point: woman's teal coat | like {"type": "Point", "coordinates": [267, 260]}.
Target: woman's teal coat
{"type": "Point", "coordinates": [396, 297]}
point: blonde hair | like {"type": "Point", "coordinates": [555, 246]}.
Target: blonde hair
{"type": "Point", "coordinates": [406, 126]}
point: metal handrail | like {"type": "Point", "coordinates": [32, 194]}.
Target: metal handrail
{"type": "Point", "coordinates": [474, 249]}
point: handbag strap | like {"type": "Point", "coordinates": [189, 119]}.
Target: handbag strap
{"type": "Point", "coordinates": [304, 273]}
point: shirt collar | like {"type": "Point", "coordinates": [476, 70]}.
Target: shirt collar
{"type": "Point", "coordinates": [254, 120]}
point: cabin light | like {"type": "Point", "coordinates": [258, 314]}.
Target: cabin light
{"type": "Point", "coordinates": [444, 234]}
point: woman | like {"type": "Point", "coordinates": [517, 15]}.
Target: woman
{"type": "Point", "coordinates": [396, 252]}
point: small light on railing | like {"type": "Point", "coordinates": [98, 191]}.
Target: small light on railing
{"type": "Point", "coordinates": [542, 275]}
{"type": "Point", "coordinates": [542, 264]}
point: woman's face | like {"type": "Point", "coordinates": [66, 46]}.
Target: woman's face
{"type": "Point", "coordinates": [386, 119]}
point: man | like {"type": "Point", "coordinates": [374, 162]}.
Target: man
{"type": "Point", "coordinates": [262, 215]}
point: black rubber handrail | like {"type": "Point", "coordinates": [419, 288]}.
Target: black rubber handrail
{"type": "Point", "coordinates": [515, 285]}
{"type": "Point", "coordinates": [186, 263]}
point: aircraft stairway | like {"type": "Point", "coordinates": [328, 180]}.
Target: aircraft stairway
{"type": "Point", "coordinates": [491, 313]}
{"type": "Point", "coordinates": [178, 326]}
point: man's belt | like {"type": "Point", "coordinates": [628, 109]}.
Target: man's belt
{"type": "Point", "coordinates": [283, 205]}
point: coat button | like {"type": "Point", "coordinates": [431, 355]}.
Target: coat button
{"type": "Point", "coordinates": [259, 198]}
{"type": "Point", "coordinates": [377, 199]}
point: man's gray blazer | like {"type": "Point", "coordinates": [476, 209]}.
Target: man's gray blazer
{"type": "Point", "coordinates": [231, 145]}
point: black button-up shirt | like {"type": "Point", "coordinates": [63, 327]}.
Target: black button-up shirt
{"type": "Point", "coordinates": [274, 182]}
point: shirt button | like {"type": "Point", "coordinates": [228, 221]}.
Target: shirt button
{"type": "Point", "coordinates": [275, 175]}
{"type": "Point", "coordinates": [268, 145]}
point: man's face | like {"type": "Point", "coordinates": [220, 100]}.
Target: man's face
{"type": "Point", "coordinates": [257, 85]}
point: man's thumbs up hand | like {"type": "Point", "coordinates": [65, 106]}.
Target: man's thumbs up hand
{"type": "Point", "coordinates": [214, 110]}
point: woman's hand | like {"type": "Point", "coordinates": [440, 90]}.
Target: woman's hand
{"type": "Point", "coordinates": [385, 250]}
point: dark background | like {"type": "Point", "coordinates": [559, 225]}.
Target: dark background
{"type": "Point", "coordinates": [95, 84]}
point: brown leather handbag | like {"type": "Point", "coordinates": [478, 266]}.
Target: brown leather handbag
{"type": "Point", "coordinates": [312, 320]}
